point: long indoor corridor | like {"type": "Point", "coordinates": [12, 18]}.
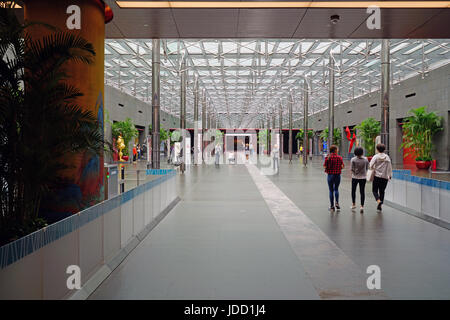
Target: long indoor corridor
{"type": "Point", "coordinates": [230, 238]}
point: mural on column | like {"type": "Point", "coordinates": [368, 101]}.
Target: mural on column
{"type": "Point", "coordinates": [83, 183]}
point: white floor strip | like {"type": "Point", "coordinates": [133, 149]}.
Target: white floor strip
{"type": "Point", "coordinates": [333, 273]}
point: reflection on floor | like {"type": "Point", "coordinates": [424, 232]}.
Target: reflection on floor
{"type": "Point", "coordinates": [223, 241]}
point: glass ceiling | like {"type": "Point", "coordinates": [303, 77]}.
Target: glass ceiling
{"type": "Point", "coordinates": [246, 80]}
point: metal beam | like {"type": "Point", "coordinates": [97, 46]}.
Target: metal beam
{"type": "Point", "coordinates": [290, 126]}
{"type": "Point", "coordinates": [305, 123]}
{"type": "Point", "coordinates": [330, 104]}
{"type": "Point", "coordinates": [196, 120]}
{"type": "Point", "coordinates": [384, 96]}
{"type": "Point", "coordinates": [183, 112]}
{"type": "Point", "coordinates": [155, 103]}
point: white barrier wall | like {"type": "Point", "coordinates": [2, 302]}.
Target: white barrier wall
{"type": "Point", "coordinates": [428, 197]}
{"type": "Point", "coordinates": [34, 267]}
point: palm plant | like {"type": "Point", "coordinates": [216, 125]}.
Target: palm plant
{"type": "Point", "coordinates": [127, 130]}
{"type": "Point", "coordinates": [337, 135]}
{"type": "Point", "coordinates": [41, 126]}
{"type": "Point", "coordinates": [300, 135]}
{"type": "Point", "coordinates": [418, 132]}
{"type": "Point", "coordinates": [262, 138]}
{"type": "Point", "coordinates": [369, 129]}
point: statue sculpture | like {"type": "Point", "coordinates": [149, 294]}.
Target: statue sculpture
{"type": "Point", "coordinates": [121, 146]}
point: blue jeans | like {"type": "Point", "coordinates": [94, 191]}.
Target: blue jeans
{"type": "Point", "coordinates": [333, 185]}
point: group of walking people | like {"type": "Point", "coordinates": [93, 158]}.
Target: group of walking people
{"type": "Point", "coordinates": [379, 171]}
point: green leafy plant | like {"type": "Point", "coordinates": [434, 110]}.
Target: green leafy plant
{"type": "Point", "coordinates": [418, 132]}
{"type": "Point", "coordinates": [300, 135]}
{"type": "Point", "coordinates": [127, 130]}
{"type": "Point", "coordinates": [368, 130]}
{"type": "Point", "coordinates": [262, 138]}
{"type": "Point", "coordinates": [219, 137]}
{"type": "Point", "coordinates": [175, 136]}
{"type": "Point", "coordinates": [41, 127]}
{"type": "Point", "coordinates": [337, 136]}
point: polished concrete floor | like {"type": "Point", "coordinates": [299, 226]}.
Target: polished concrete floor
{"type": "Point", "coordinates": [240, 234]}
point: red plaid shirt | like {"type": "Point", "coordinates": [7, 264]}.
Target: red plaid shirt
{"type": "Point", "coordinates": [333, 164]}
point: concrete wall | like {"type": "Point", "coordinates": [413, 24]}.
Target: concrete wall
{"type": "Point", "coordinates": [432, 91]}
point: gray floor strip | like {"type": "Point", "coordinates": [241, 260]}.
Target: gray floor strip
{"type": "Point", "coordinates": [333, 273]}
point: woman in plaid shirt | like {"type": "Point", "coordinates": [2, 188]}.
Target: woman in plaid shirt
{"type": "Point", "coordinates": [333, 167]}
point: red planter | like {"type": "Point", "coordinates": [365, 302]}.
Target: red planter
{"type": "Point", "coordinates": [125, 158]}
{"type": "Point", "coordinates": [423, 164]}
{"type": "Point", "coordinates": [369, 158]}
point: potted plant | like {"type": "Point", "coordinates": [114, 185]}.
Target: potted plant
{"type": "Point", "coordinates": [127, 130]}
{"type": "Point", "coordinates": [368, 130]}
{"type": "Point", "coordinates": [337, 136]}
{"type": "Point", "coordinates": [300, 135]}
{"type": "Point", "coordinates": [418, 132]}
{"type": "Point", "coordinates": [262, 139]}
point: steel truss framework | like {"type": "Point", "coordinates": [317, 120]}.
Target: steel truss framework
{"type": "Point", "coordinates": [247, 80]}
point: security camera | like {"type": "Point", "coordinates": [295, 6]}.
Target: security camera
{"type": "Point", "coordinates": [334, 19]}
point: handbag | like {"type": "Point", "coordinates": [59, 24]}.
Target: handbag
{"type": "Point", "coordinates": [370, 175]}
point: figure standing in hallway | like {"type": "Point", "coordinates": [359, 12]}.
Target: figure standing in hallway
{"type": "Point", "coordinates": [217, 151]}
{"type": "Point", "coordinates": [275, 158]}
{"type": "Point", "coordinates": [134, 153]}
{"type": "Point", "coordinates": [333, 167]}
{"type": "Point", "coordinates": [382, 166]}
{"type": "Point", "coordinates": [358, 166]}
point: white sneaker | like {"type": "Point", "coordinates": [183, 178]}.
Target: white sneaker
{"type": "Point", "coordinates": [353, 207]}
{"type": "Point", "coordinates": [361, 210]}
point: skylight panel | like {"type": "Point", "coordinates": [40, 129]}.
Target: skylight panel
{"type": "Point", "coordinates": [285, 47]}
{"type": "Point", "coordinates": [399, 47]}
{"type": "Point", "coordinates": [321, 47]}
{"type": "Point", "coordinates": [360, 47]}
{"type": "Point", "coordinates": [229, 47]}
{"type": "Point", "coordinates": [117, 47]}
{"type": "Point", "coordinates": [211, 47]}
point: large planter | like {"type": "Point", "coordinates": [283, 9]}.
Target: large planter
{"type": "Point", "coordinates": [369, 158]}
{"type": "Point", "coordinates": [423, 164]}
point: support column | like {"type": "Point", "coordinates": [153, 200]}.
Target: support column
{"type": "Point", "coordinates": [183, 113]}
{"type": "Point", "coordinates": [290, 126]}
{"type": "Point", "coordinates": [305, 123]}
{"type": "Point", "coordinates": [196, 120]}
{"type": "Point", "coordinates": [268, 134]}
{"type": "Point", "coordinates": [203, 122]}
{"type": "Point", "coordinates": [331, 105]}
{"type": "Point", "coordinates": [85, 177]}
{"type": "Point", "coordinates": [385, 87]}
{"type": "Point", "coordinates": [156, 63]}
{"type": "Point", "coordinates": [280, 118]}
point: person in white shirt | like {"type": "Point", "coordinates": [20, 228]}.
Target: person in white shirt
{"type": "Point", "coordinates": [217, 151]}
{"type": "Point", "coordinates": [381, 164]}
{"type": "Point", "coordinates": [276, 157]}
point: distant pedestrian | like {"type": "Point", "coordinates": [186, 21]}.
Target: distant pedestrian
{"type": "Point", "coordinates": [139, 151]}
{"type": "Point", "coordinates": [134, 153]}
{"type": "Point", "coordinates": [217, 151]}
{"type": "Point", "coordinates": [358, 166]}
{"type": "Point", "coordinates": [276, 158]}
{"type": "Point", "coordinates": [382, 167]}
{"type": "Point", "coordinates": [333, 167]}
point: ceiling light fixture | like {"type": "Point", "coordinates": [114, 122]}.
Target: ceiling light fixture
{"type": "Point", "coordinates": [282, 4]}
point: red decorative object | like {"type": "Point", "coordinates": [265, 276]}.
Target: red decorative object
{"type": "Point", "coordinates": [369, 158]}
{"type": "Point", "coordinates": [349, 138]}
{"type": "Point", "coordinates": [125, 158]}
{"type": "Point", "coordinates": [423, 164]}
{"type": "Point", "coordinates": [433, 165]}
{"type": "Point", "coordinates": [109, 15]}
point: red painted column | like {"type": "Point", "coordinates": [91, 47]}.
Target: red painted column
{"type": "Point", "coordinates": [86, 178]}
